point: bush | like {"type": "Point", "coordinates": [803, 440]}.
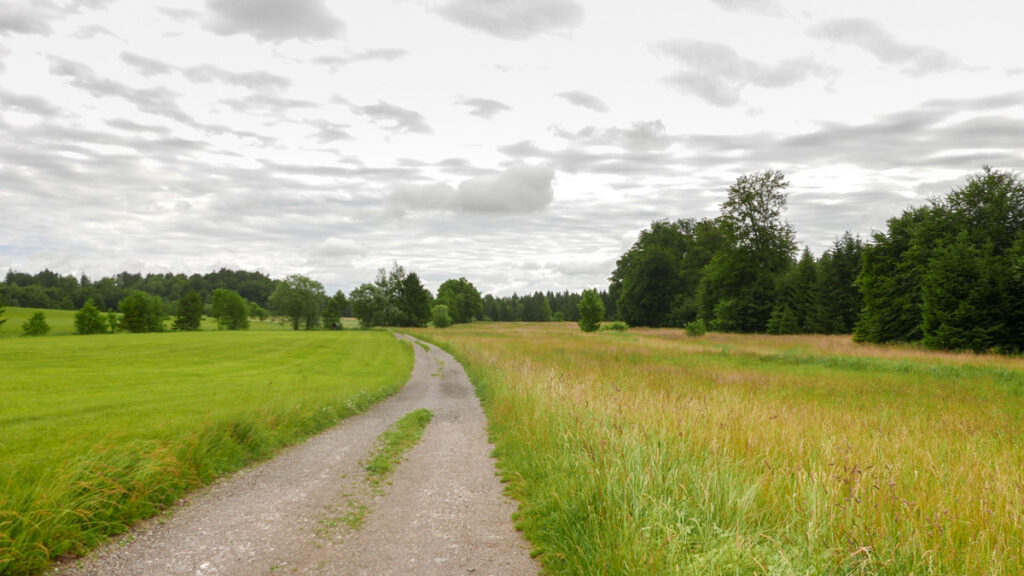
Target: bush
{"type": "Point", "coordinates": [440, 317]}
{"type": "Point", "coordinates": [591, 309]}
{"type": "Point", "coordinates": [696, 328]}
{"type": "Point", "coordinates": [88, 320]}
{"type": "Point", "coordinates": [618, 326]}
{"type": "Point", "coordinates": [36, 325]}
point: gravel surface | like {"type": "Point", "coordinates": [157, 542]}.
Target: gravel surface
{"type": "Point", "coordinates": [443, 512]}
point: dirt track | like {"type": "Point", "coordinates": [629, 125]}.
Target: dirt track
{"type": "Point", "coordinates": [444, 512]}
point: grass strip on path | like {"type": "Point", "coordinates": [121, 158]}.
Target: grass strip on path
{"type": "Point", "coordinates": [394, 443]}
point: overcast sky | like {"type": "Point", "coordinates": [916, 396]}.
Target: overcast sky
{"type": "Point", "coordinates": [522, 144]}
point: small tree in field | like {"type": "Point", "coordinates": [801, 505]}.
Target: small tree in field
{"type": "Point", "coordinates": [36, 325]}
{"type": "Point", "coordinates": [440, 317]}
{"type": "Point", "coordinates": [190, 312]}
{"type": "Point", "coordinates": [88, 320]}
{"type": "Point", "coordinates": [230, 310]}
{"type": "Point", "coordinates": [591, 309]}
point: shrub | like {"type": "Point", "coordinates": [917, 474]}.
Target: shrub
{"type": "Point", "coordinates": [696, 328]}
{"type": "Point", "coordinates": [440, 317]}
{"type": "Point", "coordinates": [618, 326]}
{"type": "Point", "coordinates": [36, 325]}
{"type": "Point", "coordinates": [88, 320]}
{"type": "Point", "coordinates": [591, 309]}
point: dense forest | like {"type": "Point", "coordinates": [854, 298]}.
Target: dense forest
{"type": "Point", "coordinates": [949, 274]}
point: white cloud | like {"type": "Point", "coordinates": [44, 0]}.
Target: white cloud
{"type": "Point", "coordinates": [871, 37]}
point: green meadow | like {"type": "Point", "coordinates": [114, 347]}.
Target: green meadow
{"type": "Point", "coordinates": [97, 432]}
{"type": "Point", "coordinates": [652, 453]}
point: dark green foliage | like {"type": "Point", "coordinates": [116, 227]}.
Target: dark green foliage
{"type": "Point", "coordinates": [696, 328]}
{"type": "Point", "coordinates": [783, 321]}
{"type": "Point", "coordinates": [738, 288]}
{"type": "Point", "coordinates": [945, 273]}
{"type": "Point", "coordinates": [298, 299]}
{"type": "Point", "coordinates": [836, 302]}
{"type": "Point", "coordinates": [656, 281]}
{"type": "Point", "coordinates": [258, 312]}
{"type": "Point", "coordinates": [142, 312]}
{"type": "Point", "coordinates": [89, 320]}
{"type": "Point", "coordinates": [2, 312]}
{"type": "Point", "coordinates": [591, 311]}
{"type": "Point", "coordinates": [371, 305]}
{"type": "Point", "coordinates": [395, 298]}
{"type": "Point", "coordinates": [334, 309]}
{"type": "Point", "coordinates": [462, 299]}
{"type": "Point", "coordinates": [47, 289]}
{"type": "Point", "coordinates": [536, 308]}
{"type": "Point", "coordinates": [190, 312]}
{"type": "Point", "coordinates": [413, 301]}
{"type": "Point", "coordinates": [440, 317]}
{"type": "Point", "coordinates": [230, 310]}
{"type": "Point", "coordinates": [36, 325]}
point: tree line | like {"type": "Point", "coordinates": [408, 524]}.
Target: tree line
{"type": "Point", "coordinates": [949, 274]}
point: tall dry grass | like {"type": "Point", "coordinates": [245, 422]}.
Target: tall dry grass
{"type": "Point", "coordinates": [653, 453]}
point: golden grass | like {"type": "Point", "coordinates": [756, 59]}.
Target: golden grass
{"type": "Point", "coordinates": [653, 453]}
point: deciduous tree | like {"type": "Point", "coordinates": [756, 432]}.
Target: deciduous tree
{"type": "Point", "coordinates": [230, 310]}
{"type": "Point", "coordinates": [190, 312]}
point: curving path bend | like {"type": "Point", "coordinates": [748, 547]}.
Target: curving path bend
{"type": "Point", "coordinates": [443, 514]}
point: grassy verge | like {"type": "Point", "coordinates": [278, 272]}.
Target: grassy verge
{"type": "Point", "coordinates": [652, 453]}
{"type": "Point", "coordinates": [395, 442]}
{"type": "Point", "coordinates": [97, 432]}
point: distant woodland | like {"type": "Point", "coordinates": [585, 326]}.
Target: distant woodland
{"type": "Point", "coordinates": [949, 274]}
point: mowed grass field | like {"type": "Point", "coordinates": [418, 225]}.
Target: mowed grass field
{"type": "Point", "coordinates": [649, 452]}
{"type": "Point", "coordinates": [97, 432]}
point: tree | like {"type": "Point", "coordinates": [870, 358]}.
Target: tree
{"type": "Point", "coordinates": [413, 301]}
{"type": "Point", "coordinates": [190, 312]}
{"type": "Point", "coordinates": [142, 312]}
{"type": "Point", "coordinates": [462, 299]}
{"type": "Point", "coordinates": [300, 300]}
{"type": "Point", "coordinates": [36, 325]}
{"type": "Point", "coordinates": [230, 310]}
{"type": "Point", "coordinates": [334, 309]}
{"type": "Point", "coordinates": [440, 317]}
{"type": "Point", "coordinates": [591, 311]}
{"type": "Point", "coordinates": [371, 305]}
{"type": "Point", "coordinates": [836, 302]}
{"type": "Point", "coordinates": [88, 320]}
{"type": "Point", "coordinates": [738, 288]}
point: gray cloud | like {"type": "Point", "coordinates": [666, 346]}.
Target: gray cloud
{"type": "Point", "coordinates": [274, 20]}
{"type": "Point", "coordinates": [871, 37]}
{"type": "Point", "coordinates": [146, 66]}
{"type": "Point", "coordinates": [520, 189]}
{"type": "Point", "coordinates": [641, 136]}
{"type": "Point", "coordinates": [584, 100]}
{"type": "Point", "coordinates": [396, 119]}
{"type": "Point", "coordinates": [485, 107]}
{"type": "Point", "coordinates": [716, 74]}
{"type": "Point", "coordinates": [24, 18]}
{"type": "Point", "coordinates": [256, 81]}
{"type": "Point", "coordinates": [514, 19]}
{"type": "Point", "coordinates": [374, 55]}
{"type": "Point", "coordinates": [764, 7]}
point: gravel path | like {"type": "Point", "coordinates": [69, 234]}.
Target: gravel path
{"type": "Point", "coordinates": [444, 512]}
